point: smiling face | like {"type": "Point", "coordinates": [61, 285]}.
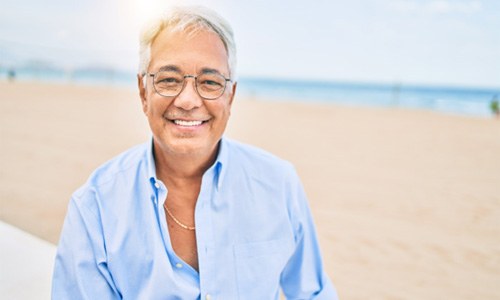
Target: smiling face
{"type": "Point", "coordinates": [187, 124]}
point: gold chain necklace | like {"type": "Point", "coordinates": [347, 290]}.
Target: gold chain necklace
{"type": "Point", "coordinates": [177, 221]}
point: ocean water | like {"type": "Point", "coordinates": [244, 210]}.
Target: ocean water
{"type": "Point", "coordinates": [81, 76]}
{"type": "Point", "coordinates": [450, 100]}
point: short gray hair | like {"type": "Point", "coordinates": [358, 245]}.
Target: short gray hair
{"type": "Point", "coordinates": [191, 19]}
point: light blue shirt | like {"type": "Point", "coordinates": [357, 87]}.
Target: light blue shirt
{"type": "Point", "coordinates": [254, 233]}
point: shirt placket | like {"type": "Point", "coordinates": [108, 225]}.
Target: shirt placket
{"type": "Point", "coordinates": [204, 236]}
{"type": "Point", "coordinates": [178, 266]}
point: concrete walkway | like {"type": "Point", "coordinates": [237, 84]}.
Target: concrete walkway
{"type": "Point", "coordinates": [26, 264]}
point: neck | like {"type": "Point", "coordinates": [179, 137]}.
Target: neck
{"type": "Point", "coordinates": [176, 169]}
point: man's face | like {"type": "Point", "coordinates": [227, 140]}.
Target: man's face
{"type": "Point", "coordinates": [187, 124]}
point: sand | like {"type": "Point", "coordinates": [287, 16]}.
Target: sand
{"type": "Point", "coordinates": [406, 203]}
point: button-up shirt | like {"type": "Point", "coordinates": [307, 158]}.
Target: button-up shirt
{"type": "Point", "coordinates": [254, 233]}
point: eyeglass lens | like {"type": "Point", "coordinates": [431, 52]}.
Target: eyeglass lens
{"type": "Point", "coordinates": [208, 85]}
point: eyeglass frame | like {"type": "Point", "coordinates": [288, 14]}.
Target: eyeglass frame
{"type": "Point", "coordinates": [152, 75]}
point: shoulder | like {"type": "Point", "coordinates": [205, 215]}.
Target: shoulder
{"type": "Point", "coordinates": [120, 168]}
{"type": "Point", "coordinates": [255, 159]}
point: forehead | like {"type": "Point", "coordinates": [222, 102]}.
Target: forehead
{"type": "Point", "coordinates": [189, 51]}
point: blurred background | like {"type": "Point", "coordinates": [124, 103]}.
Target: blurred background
{"type": "Point", "coordinates": [431, 54]}
{"type": "Point", "coordinates": [387, 108]}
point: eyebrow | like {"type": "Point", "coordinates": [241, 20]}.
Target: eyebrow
{"type": "Point", "coordinates": [210, 70]}
{"type": "Point", "coordinates": [174, 68]}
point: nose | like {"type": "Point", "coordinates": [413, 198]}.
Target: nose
{"type": "Point", "coordinates": [188, 98]}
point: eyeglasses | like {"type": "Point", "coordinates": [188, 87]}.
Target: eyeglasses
{"type": "Point", "coordinates": [209, 85]}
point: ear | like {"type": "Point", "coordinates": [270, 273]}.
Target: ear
{"type": "Point", "coordinates": [142, 91]}
{"type": "Point", "coordinates": [233, 92]}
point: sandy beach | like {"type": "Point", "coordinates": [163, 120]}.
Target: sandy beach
{"type": "Point", "coordinates": [406, 202]}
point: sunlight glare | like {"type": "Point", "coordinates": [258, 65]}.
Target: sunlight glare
{"type": "Point", "coordinates": [144, 10]}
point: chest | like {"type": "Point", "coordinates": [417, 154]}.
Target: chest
{"type": "Point", "coordinates": [180, 217]}
{"type": "Point", "coordinates": [240, 238]}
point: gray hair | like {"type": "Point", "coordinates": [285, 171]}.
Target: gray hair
{"type": "Point", "coordinates": [191, 19]}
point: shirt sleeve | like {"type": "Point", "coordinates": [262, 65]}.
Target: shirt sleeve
{"type": "Point", "coordinates": [304, 276]}
{"type": "Point", "coordinates": [80, 270]}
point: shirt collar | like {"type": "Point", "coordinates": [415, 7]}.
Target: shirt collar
{"type": "Point", "coordinates": [150, 162]}
{"type": "Point", "coordinates": [221, 162]}
{"type": "Point", "coordinates": [219, 166]}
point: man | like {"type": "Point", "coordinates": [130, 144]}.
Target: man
{"type": "Point", "coordinates": [190, 214]}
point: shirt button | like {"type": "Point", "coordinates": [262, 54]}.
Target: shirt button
{"type": "Point", "coordinates": [208, 297]}
{"type": "Point", "coordinates": [157, 185]}
{"type": "Point", "coordinates": [178, 265]}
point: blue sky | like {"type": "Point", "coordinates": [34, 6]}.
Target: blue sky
{"type": "Point", "coordinates": [438, 42]}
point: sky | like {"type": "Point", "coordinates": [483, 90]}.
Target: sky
{"type": "Point", "coordinates": [425, 42]}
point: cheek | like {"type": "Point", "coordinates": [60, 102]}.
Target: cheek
{"type": "Point", "coordinates": [156, 107]}
{"type": "Point", "coordinates": [223, 110]}
{"type": "Point", "coordinates": [224, 117]}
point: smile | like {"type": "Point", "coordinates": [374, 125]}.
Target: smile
{"type": "Point", "coordinates": [188, 123]}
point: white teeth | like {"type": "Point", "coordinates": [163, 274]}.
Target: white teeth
{"type": "Point", "coordinates": [187, 123]}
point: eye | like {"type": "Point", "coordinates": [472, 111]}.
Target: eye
{"type": "Point", "coordinates": [211, 83]}
{"type": "Point", "coordinates": [168, 80]}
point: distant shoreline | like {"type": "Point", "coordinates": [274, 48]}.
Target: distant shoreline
{"type": "Point", "coordinates": [467, 101]}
